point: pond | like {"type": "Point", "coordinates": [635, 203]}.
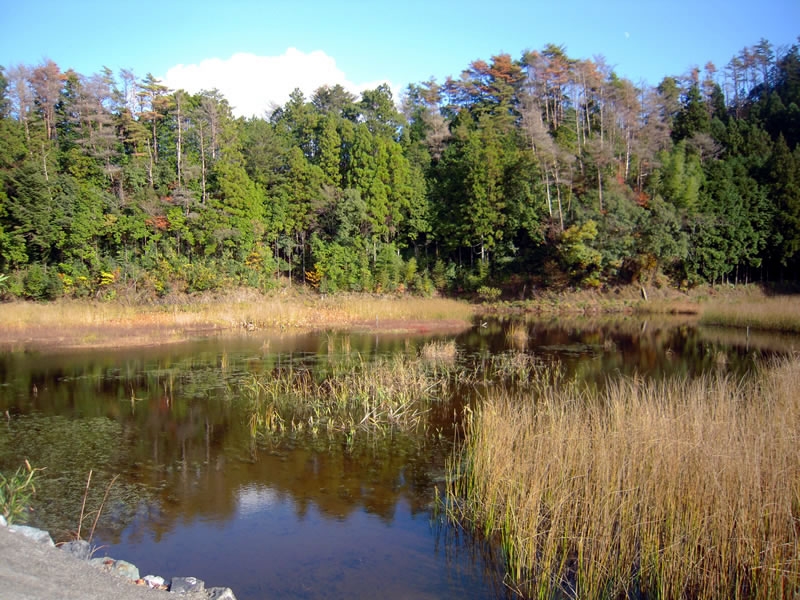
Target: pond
{"type": "Point", "coordinates": [299, 515]}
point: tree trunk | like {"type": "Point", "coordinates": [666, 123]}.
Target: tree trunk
{"type": "Point", "coordinates": [558, 197]}
{"type": "Point", "coordinates": [600, 187]}
{"type": "Point", "coordinates": [627, 153]}
{"type": "Point", "coordinates": [179, 141]}
{"type": "Point", "coordinates": [155, 143]}
{"type": "Point", "coordinates": [150, 166]}
{"type": "Point", "coordinates": [547, 188]}
{"type": "Point", "coordinates": [202, 167]}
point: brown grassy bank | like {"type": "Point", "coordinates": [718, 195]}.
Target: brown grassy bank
{"type": "Point", "coordinates": [93, 323]}
{"type": "Point", "coordinates": [669, 490]}
{"type": "Point", "coordinates": [617, 300]}
{"type": "Point", "coordinates": [778, 313]}
{"type": "Point", "coordinates": [733, 306]}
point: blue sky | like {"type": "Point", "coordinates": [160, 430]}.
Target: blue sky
{"type": "Point", "coordinates": [256, 52]}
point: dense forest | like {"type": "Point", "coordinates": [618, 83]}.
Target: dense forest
{"type": "Point", "coordinates": [520, 174]}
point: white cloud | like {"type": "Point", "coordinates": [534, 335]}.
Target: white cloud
{"type": "Point", "coordinates": [255, 498]}
{"type": "Point", "coordinates": [255, 85]}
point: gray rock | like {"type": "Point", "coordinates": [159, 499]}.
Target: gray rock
{"type": "Point", "coordinates": [126, 569]}
{"type": "Point", "coordinates": [185, 585]}
{"type": "Point", "coordinates": [220, 593]}
{"type": "Point", "coordinates": [3, 522]}
{"type": "Point", "coordinates": [37, 535]}
{"type": "Point", "coordinates": [79, 549]}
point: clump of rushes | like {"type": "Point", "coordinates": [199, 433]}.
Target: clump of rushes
{"type": "Point", "coordinates": [671, 489]}
{"type": "Point", "coordinates": [517, 335]}
{"type": "Point", "coordinates": [444, 351]}
{"type": "Point", "coordinates": [374, 396]}
{"type": "Point", "coordinates": [16, 492]}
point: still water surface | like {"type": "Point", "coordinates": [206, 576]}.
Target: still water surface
{"type": "Point", "coordinates": [299, 516]}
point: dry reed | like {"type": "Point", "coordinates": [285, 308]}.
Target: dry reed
{"type": "Point", "coordinates": [681, 489]}
{"type": "Point", "coordinates": [83, 322]}
{"type": "Point", "coordinates": [780, 313]}
{"type": "Point", "coordinates": [376, 396]}
{"type": "Point", "coordinates": [444, 351]}
{"type": "Point", "coordinates": [517, 335]}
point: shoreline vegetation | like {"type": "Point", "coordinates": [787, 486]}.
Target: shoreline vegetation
{"type": "Point", "coordinates": [666, 489]}
{"type": "Point", "coordinates": [81, 323]}
{"type": "Point", "coordinates": [95, 323]}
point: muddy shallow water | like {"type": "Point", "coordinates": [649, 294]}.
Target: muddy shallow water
{"type": "Point", "coordinates": [295, 516]}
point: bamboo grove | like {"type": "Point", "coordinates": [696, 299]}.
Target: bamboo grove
{"type": "Point", "coordinates": [519, 174]}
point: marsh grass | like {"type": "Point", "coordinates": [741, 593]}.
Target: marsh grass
{"type": "Point", "coordinates": [517, 335]}
{"type": "Point", "coordinates": [780, 313]}
{"type": "Point", "coordinates": [365, 307]}
{"type": "Point", "coordinates": [668, 306]}
{"type": "Point", "coordinates": [658, 490]}
{"type": "Point", "coordinates": [439, 351]}
{"type": "Point", "coordinates": [81, 320]}
{"type": "Point", "coordinates": [739, 305]}
{"type": "Point", "coordinates": [378, 395]}
{"type": "Point", "coordinates": [373, 396]}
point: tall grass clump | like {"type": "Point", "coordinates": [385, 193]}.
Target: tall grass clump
{"type": "Point", "coordinates": [679, 489]}
{"type": "Point", "coordinates": [514, 370]}
{"type": "Point", "coordinates": [439, 351]}
{"type": "Point", "coordinates": [373, 396]}
{"type": "Point", "coordinates": [16, 492]}
{"type": "Point", "coordinates": [517, 335]}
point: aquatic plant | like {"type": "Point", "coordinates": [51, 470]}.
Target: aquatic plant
{"type": "Point", "coordinates": [513, 369]}
{"type": "Point", "coordinates": [69, 448]}
{"type": "Point", "coordinates": [376, 395]}
{"type": "Point", "coordinates": [96, 513]}
{"type": "Point", "coordinates": [648, 489]}
{"type": "Point", "coordinates": [439, 351]}
{"type": "Point", "coordinates": [16, 492]}
{"type": "Point", "coordinates": [517, 335]}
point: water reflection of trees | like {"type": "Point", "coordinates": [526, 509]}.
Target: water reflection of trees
{"type": "Point", "coordinates": [594, 349]}
{"type": "Point", "coordinates": [336, 475]}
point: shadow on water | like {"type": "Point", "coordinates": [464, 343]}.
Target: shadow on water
{"type": "Point", "coordinates": [298, 515]}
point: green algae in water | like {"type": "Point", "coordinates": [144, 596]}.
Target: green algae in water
{"type": "Point", "coordinates": [66, 450]}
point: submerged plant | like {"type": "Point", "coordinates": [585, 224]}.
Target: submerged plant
{"type": "Point", "coordinates": [16, 493]}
